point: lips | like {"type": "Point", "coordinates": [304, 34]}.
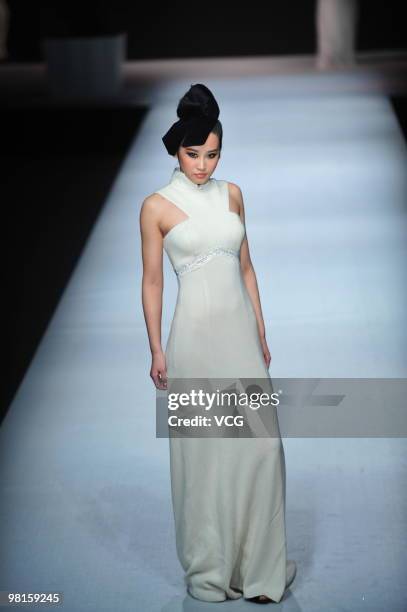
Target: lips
{"type": "Point", "coordinates": [200, 175]}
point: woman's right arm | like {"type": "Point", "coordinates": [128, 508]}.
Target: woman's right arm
{"type": "Point", "coordinates": [152, 286]}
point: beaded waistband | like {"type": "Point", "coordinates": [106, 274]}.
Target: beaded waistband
{"type": "Point", "coordinates": [201, 259]}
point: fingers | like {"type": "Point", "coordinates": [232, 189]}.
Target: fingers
{"type": "Point", "coordinates": [160, 380]}
{"type": "Point", "coordinates": [163, 380]}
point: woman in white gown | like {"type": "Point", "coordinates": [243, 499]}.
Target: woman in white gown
{"type": "Point", "coordinates": [228, 494]}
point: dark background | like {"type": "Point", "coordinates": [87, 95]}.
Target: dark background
{"type": "Point", "coordinates": [182, 29]}
{"type": "Point", "coordinates": [57, 167]}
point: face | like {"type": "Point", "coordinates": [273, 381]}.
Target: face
{"type": "Point", "coordinates": [198, 162]}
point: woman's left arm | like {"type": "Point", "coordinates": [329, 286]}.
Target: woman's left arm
{"type": "Point", "coordinates": [249, 276]}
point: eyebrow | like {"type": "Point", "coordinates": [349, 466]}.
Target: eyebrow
{"type": "Point", "coordinates": [196, 150]}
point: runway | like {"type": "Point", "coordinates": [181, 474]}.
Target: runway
{"type": "Point", "coordinates": [86, 507]}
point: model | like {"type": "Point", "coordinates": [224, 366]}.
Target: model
{"type": "Point", "coordinates": [228, 494]}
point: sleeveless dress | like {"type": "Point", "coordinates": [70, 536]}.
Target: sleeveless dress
{"type": "Point", "coordinates": [228, 494]}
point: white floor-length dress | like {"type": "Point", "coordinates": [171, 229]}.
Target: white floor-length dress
{"type": "Point", "coordinates": [228, 494]}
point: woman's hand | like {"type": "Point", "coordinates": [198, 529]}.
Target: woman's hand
{"type": "Point", "coordinates": [158, 370]}
{"type": "Point", "coordinates": [266, 352]}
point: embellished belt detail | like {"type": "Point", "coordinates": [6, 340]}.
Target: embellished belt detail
{"type": "Point", "coordinates": [201, 259]}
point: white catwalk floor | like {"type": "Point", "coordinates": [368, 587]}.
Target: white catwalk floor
{"type": "Point", "coordinates": [85, 489]}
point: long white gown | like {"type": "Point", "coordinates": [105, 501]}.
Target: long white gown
{"type": "Point", "coordinates": [228, 494]}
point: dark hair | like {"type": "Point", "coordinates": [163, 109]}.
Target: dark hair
{"type": "Point", "coordinates": [198, 114]}
{"type": "Point", "coordinates": [217, 129]}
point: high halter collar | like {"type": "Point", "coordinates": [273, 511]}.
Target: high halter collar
{"type": "Point", "coordinates": [180, 178]}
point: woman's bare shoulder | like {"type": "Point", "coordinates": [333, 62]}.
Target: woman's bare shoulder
{"type": "Point", "coordinates": [152, 204]}
{"type": "Point", "coordinates": [153, 199]}
{"type": "Point", "coordinates": [234, 189]}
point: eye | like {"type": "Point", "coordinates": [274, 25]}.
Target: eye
{"type": "Point", "coordinates": [193, 155]}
